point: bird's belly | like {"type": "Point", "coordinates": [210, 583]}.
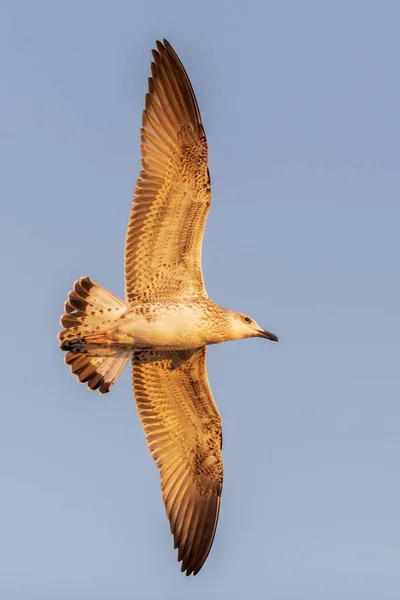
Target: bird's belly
{"type": "Point", "coordinates": [169, 332]}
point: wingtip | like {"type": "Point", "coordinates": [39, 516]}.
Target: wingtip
{"type": "Point", "coordinates": [187, 570]}
{"type": "Point", "coordinates": [162, 46]}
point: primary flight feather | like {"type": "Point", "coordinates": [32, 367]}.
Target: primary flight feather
{"type": "Point", "coordinates": [167, 320]}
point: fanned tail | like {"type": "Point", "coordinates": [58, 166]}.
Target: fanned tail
{"type": "Point", "coordinates": [90, 312]}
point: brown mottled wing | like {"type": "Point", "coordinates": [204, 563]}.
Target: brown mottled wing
{"type": "Point", "coordinates": [173, 194]}
{"type": "Point", "coordinates": [183, 431]}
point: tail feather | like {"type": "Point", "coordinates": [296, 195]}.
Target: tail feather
{"type": "Point", "coordinates": [90, 311]}
{"type": "Point", "coordinates": [92, 305]}
{"type": "Point", "coordinates": [100, 373]}
{"type": "Point", "coordinates": [88, 293]}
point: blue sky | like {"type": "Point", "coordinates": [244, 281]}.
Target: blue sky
{"type": "Point", "coordinates": [300, 102]}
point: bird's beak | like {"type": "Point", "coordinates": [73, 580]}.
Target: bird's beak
{"type": "Point", "coordinates": [267, 335]}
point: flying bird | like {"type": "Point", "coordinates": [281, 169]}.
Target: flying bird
{"type": "Point", "coordinates": [167, 319]}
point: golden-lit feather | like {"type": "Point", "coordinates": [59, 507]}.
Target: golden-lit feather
{"type": "Point", "coordinates": [173, 194]}
{"type": "Point", "coordinates": [183, 431]}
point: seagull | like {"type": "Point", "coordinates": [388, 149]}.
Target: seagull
{"type": "Point", "coordinates": [167, 320]}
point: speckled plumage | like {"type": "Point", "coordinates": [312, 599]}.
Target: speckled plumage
{"type": "Point", "coordinates": [167, 320]}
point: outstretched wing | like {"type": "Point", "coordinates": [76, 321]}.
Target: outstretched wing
{"type": "Point", "coordinates": [183, 431]}
{"type": "Point", "coordinates": [173, 194]}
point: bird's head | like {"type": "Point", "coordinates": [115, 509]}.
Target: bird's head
{"type": "Point", "coordinates": [245, 327]}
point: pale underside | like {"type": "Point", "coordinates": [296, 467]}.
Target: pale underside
{"type": "Point", "coordinates": [163, 262]}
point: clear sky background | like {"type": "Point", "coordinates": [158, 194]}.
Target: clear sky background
{"type": "Point", "coordinates": [300, 102]}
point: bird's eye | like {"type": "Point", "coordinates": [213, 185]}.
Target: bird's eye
{"type": "Point", "coordinates": [247, 319]}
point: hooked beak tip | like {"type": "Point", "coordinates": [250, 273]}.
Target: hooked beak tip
{"type": "Point", "coordinates": [268, 336]}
